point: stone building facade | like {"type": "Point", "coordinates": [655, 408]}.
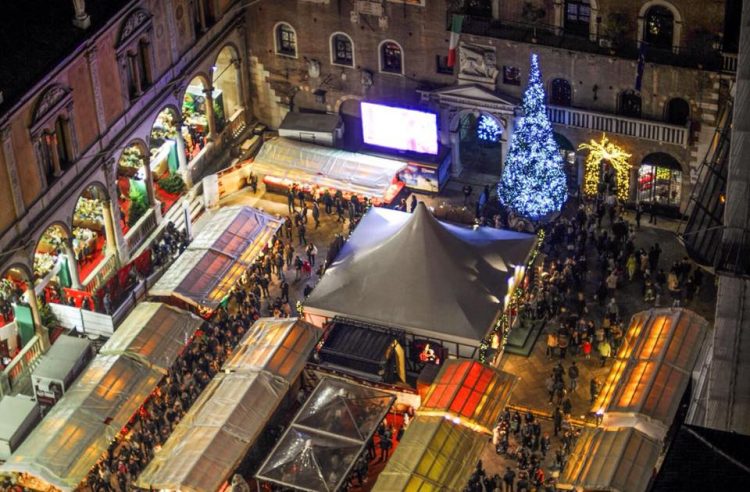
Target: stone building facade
{"type": "Point", "coordinates": [65, 132]}
{"type": "Point", "coordinates": [588, 50]}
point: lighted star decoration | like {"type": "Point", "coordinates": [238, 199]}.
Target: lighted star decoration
{"type": "Point", "coordinates": [617, 158]}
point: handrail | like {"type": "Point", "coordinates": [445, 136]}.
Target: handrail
{"type": "Point", "coordinates": [621, 125]}
{"type": "Point", "coordinates": [141, 230]}
{"type": "Point", "coordinates": [21, 364]}
{"type": "Point", "coordinates": [101, 274]}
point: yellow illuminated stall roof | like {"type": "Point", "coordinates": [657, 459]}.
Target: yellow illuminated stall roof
{"type": "Point", "coordinates": [616, 460]}
{"type": "Point", "coordinates": [652, 368]}
{"type": "Point", "coordinates": [435, 454]}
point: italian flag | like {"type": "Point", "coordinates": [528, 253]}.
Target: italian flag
{"type": "Point", "coordinates": [456, 23]}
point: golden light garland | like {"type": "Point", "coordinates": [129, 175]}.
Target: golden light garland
{"type": "Point", "coordinates": [616, 156]}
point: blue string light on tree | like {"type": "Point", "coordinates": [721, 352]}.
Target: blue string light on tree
{"type": "Point", "coordinates": [488, 129]}
{"type": "Point", "coordinates": [533, 183]}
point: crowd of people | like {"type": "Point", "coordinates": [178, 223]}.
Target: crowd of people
{"type": "Point", "coordinates": [127, 456]}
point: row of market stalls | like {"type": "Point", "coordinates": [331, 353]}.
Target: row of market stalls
{"type": "Point", "coordinates": [204, 274]}
{"type": "Point", "coordinates": [216, 434]}
{"type": "Point", "coordinates": [438, 289]}
{"type": "Point", "coordinates": [638, 403]}
{"type": "Point", "coordinates": [78, 430]}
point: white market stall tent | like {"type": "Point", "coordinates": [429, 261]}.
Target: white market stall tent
{"type": "Point", "coordinates": [306, 163]}
{"type": "Point", "coordinates": [215, 435]}
{"type": "Point", "coordinates": [426, 277]}
{"type": "Point", "coordinates": [80, 427]}
{"type": "Point", "coordinates": [328, 434]}
{"type": "Point", "coordinates": [20, 413]}
{"type": "Point", "coordinates": [221, 252]}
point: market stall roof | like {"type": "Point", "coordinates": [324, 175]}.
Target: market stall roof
{"type": "Point", "coordinates": [154, 333]}
{"type": "Point", "coordinates": [428, 277]}
{"type": "Point", "coordinates": [79, 428]}
{"type": "Point", "coordinates": [469, 391]}
{"type": "Point", "coordinates": [211, 440]}
{"type": "Point", "coordinates": [654, 365]}
{"type": "Point", "coordinates": [617, 460]}
{"type": "Point", "coordinates": [216, 258]}
{"type": "Point", "coordinates": [310, 122]}
{"type": "Point", "coordinates": [434, 454]}
{"type": "Point", "coordinates": [278, 346]}
{"type": "Point", "coordinates": [309, 163]}
{"type": "Point", "coordinates": [319, 448]}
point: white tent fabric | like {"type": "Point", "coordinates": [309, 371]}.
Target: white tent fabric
{"type": "Point", "coordinates": [427, 277]}
{"type": "Point", "coordinates": [216, 433]}
{"type": "Point", "coordinates": [309, 163]}
{"type": "Point", "coordinates": [79, 428]}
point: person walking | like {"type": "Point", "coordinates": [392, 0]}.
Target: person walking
{"type": "Point", "coordinates": [316, 214]}
{"type": "Point", "coordinates": [557, 418]}
{"type": "Point", "coordinates": [638, 214]}
{"type": "Point", "coordinates": [285, 291]}
{"type": "Point", "coordinates": [290, 199]}
{"type": "Point", "coordinates": [605, 351]}
{"type": "Point", "coordinates": [289, 254]}
{"type": "Point", "coordinates": [467, 193]}
{"type": "Point", "coordinates": [297, 267]}
{"type": "Point", "coordinates": [413, 203]}
{"type": "Point", "coordinates": [509, 478]}
{"type": "Point", "coordinates": [301, 231]}
{"type": "Point", "coordinates": [573, 377]}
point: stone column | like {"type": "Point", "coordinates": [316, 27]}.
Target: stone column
{"type": "Point", "coordinates": [10, 167]}
{"type": "Point", "coordinates": [109, 227]}
{"type": "Point", "coordinates": [51, 141]}
{"type": "Point", "coordinates": [72, 266]}
{"type": "Point", "coordinates": [135, 73]}
{"type": "Point", "coordinates": [201, 15]}
{"type": "Point", "coordinates": [34, 305]}
{"type": "Point", "coordinates": [96, 85]}
{"type": "Point", "coordinates": [210, 115]}
{"type": "Point", "coordinates": [172, 30]}
{"type": "Point", "coordinates": [728, 369]}
{"type": "Point", "coordinates": [182, 158]}
{"type": "Point", "coordinates": [456, 166]}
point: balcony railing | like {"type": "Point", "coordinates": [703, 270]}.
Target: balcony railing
{"type": "Point", "coordinates": [619, 125]}
{"type": "Point", "coordinates": [22, 365]}
{"type": "Point", "coordinates": [101, 274]}
{"type": "Point", "coordinates": [141, 230]}
{"type": "Point", "coordinates": [548, 35]}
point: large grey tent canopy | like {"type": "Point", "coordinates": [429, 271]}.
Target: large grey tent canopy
{"type": "Point", "coordinates": [424, 276]}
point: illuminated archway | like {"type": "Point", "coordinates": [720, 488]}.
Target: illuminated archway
{"type": "Point", "coordinates": [17, 303]}
{"type": "Point", "coordinates": [132, 185]}
{"type": "Point", "coordinates": [195, 125]}
{"type": "Point", "coordinates": [166, 151]}
{"type": "Point", "coordinates": [226, 81]}
{"type": "Point", "coordinates": [90, 229]}
{"type": "Point", "coordinates": [602, 154]}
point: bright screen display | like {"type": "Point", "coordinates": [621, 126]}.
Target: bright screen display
{"type": "Point", "coordinates": [399, 128]}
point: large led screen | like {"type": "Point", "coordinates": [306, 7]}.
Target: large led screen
{"type": "Point", "coordinates": [399, 128]}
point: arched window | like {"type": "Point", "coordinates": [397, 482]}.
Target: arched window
{"type": "Point", "coordinates": [134, 54]}
{"type": "Point", "coordinates": [286, 40]}
{"type": "Point", "coordinates": [391, 57]}
{"type": "Point", "coordinates": [342, 50]}
{"type": "Point", "coordinates": [678, 111]}
{"type": "Point", "coordinates": [658, 27]}
{"type": "Point", "coordinates": [577, 17]}
{"type": "Point", "coordinates": [630, 104]}
{"type": "Point", "coordinates": [560, 93]}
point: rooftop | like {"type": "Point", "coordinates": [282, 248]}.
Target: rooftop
{"type": "Point", "coordinates": [36, 35]}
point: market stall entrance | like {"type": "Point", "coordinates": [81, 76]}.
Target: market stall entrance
{"type": "Point", "coordinates": [660, 181]}
{"type": "Point", "coordinates": [232, 239]}
{"type": "Point", "coordinates": [202, 115]}
{"type": "Point", "coordinates": [55, 263]}
{"type": "Point", "coordinates": [227, 90]}
{"type": "Point", "coordinates": [19, 315]}
{"type": "Point", "coordinates": [167, 159]}
{"type": "Point", "coordinates": [93, 230]}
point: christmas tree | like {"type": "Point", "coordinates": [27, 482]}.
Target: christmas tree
{"type": "Point", "coordinates": [533, 183]}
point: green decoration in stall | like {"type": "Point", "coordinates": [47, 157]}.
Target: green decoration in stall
{"type": "Point", "coordinates": [25, 322]}
{"type": "Point", "coordinates": [138, 208]}
{"type": "Point", "coordinates": [172, 161]}
{"type": "Point", "coordinates": [64, 274]}
{"type": "Point", "coordinates": [137, 189]}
